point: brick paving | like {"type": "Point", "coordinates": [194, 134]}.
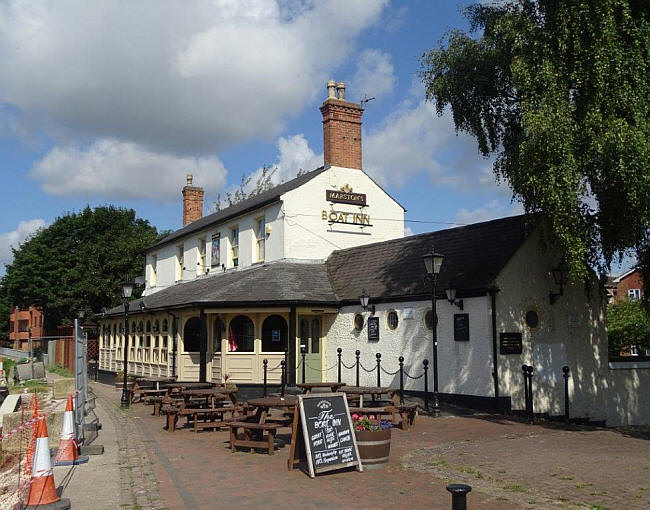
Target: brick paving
{"type": "Point", "coordinates": [510, 465]}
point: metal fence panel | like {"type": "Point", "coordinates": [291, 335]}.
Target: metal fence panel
{"type": "Point", "coordinates": [81, 380]}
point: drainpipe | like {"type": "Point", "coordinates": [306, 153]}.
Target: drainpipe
{"type": "Point", "coordinates": [495, 361]}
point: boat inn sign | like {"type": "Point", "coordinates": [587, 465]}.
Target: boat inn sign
{"type": "Point", "coordinates": [283, 270]}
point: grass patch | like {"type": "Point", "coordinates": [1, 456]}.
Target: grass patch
{"type": "Point", "coordinates": [566, 478]}
{"type": "Point", "coordinates": [514, 487]}
{"type": "Point", "coordinates": [598, 506]}
{"type": "Point", "coordinates": [33, 386]}
{"type": "Point", "coordinates": [59, 370]}
{"type": "Point", "coordinates": [439, 462]}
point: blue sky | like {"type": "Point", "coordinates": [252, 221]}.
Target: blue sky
{"type": "Point", "coordinates": [114, 102]}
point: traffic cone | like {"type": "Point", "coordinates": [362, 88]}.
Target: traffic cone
{"type": "Point", "coordinates": [42, 491]}
{"type": "Point", "coordinates": [68, 453]}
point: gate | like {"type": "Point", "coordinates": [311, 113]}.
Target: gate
{"type": "Point", "coordinates": [81, 379]}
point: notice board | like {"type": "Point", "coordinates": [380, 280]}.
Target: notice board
{"type": "Point", "coordinates": [510, 343]}
{"type": "Point", "coordinates": [373, 329]}
{"type": "Point", "coordinates": [323, 434]}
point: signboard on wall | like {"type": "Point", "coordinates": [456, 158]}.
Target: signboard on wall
{"type": "Point", "coordinates": [373, 329]}
{"type": "Point", "coordinates": [510, 343]}
{"type": "Point", "coordinates": [461, 327]}
{"type": "Point", "coordinates": [215, 259]}
{"type": "Point", "coordinates": [345, 197]}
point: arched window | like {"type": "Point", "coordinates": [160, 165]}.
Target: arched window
{"type": "Point", "coordinates": [114, 340]}
{"type": "Point", "coordinates": [241, 335]}
{"type": "Point", "coordinates": [148, 330]}
{"type": "Point", "coordinates": [165, 326]}
{"type": "Point", "coordinates": [274, 334]}
{"type": "Point", "coordinates": [219, 333]}
{"type": "Point", "coordinates": [156, 326]}
{"type": "Point", "coordinates": [304, 333]}
{"type": "Point", "coordinates": [192, 335]}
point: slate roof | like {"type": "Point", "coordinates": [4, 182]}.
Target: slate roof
{"type": "Point", "coordinates": [271, 283]}
{"type": "Point", "coordinates": [265, 198]}
{"type": "Point", "coordinates": [390, 270]}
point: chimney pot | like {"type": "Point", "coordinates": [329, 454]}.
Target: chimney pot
{"type": "Point", "coordinates": [340, 90]}
{"type": "Point", "coordinates": [331, 89]}
{"type": "Point", "coordinates": [189, 179]}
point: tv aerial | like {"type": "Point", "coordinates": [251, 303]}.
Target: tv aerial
{"type": "Point", "coordinates": [365, 100]}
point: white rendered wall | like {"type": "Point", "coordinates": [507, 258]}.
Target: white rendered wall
{"type": "Point", "coordinates": [463, 367]}
{"type": "Point", "coordinates": [308, 236]}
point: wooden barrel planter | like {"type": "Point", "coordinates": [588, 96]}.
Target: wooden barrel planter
{"type": "Point", "coordinates": [374, 447]}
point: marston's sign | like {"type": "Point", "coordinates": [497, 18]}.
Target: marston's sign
{"type": "Point", "coordinates": [348, 218]}
{"type": "Point", "coordinates": [344, 197]}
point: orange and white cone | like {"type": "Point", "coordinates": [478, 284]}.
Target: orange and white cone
{"type": "Point", "coordinates": [68, 453]}
{"type": "Point", "coordinates": [32, 442]}
{"type": "Point", "coordinates": [42, 490]}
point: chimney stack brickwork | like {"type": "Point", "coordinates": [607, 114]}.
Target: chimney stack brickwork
{"type": "Point", "coordinates": [192, 202]}
{"type": "Point", "coordinates": [341, 128]}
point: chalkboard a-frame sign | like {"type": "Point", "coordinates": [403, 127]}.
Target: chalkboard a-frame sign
{"type": "Point", "coordinates": [323, 434]}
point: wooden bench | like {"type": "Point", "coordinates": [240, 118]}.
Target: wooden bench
{"type": "Point", "coordinates": [386, 411]}
{"type": "Point", "coordinates": [407, 413]}
{"type": "Point", "coordinates": [213, 418]}
{"type": "Point", "coordinates": [253, 436]}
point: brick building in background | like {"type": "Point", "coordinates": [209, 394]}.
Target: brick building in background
{"type": "Point", "coordinates": [20, 323]}
{"type": "Point", "coordinates": [629, 285]}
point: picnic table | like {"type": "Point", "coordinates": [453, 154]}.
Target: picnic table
{"type": "Point", "coordinates": [187, 385]}
{"type": "Point", "coordinates": [309, 387]}
{"type": "Point", "coordinates": [375, 392]}
{"type": "Point", "coordinates": [153, 381]}
{"type": "Point", "coordinates": [192, 413]}
{"type": "Point", "coordinates": [390, 408]}
{"type": "Point", "coordinates": [210, 395]}
{"type": "Point", "coordinates": [255, 426]}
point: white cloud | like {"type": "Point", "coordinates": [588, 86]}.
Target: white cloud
{"type": "Point", "coordinates": [375, 75]}
{"type": "Point", "coordinates": [110, 168]}
{"type": "Point", "coordinates": [189, 76]}
{"type": "Point", "coordinates": [490, 211]}
{"type": "Point", "coordinates": [15, 238]}
{"type": "Point", "coordinates": [294, 156]}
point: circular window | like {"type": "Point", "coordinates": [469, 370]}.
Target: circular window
{"type": "Point", "coordinates": [532, 319]}
{"type": "Point", "coordinates": [392, 320]}
{"type": "Point", "coordinates": [428, 319]}
{"type": "Point", "coordinates": [358, 322]}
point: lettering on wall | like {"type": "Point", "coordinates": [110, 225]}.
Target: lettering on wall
{"type": "Point", "coordinates": [348, 218]}
{"type": "Point", "coordinates": [343, 197]}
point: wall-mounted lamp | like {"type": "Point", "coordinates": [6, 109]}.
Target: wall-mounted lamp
{"type": "Point", "coordinates": [103, 312]}
{"type": "Point", "coordinates": [560, 277]}
{"type": "Point", "coordinates": [364, 299]}
{"type": "Point", "coordinates": [451, 297]}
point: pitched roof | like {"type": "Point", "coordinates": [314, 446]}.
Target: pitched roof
{"type": "Point", "coordinates": [474, 256]}
{"type": "Point", "coordinates": [255, 202]}
{"type": "Point", "coordinates": [620, 278]}
{"type": "Point", "coordinates": [270, 283]}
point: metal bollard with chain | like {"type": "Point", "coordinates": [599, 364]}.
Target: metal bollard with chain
{"type": "Point", "coordinates": [378, 356]}
{"type": "Point", "coordinates": [266, 367]}
{"type": "Point", "coordinates": [338, 353]}
{"type": "Point", "coordinates": [459, 493]}
{"type": "Point", "coordinates": [357, 353]}
{"type": "Point", "coordinates": [426, 384]}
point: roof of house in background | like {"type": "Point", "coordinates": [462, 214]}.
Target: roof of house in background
{"type": "Point", "coordinates": [627, 273]}
{"type": "Point", "coordinates": [252, 203]}
{"type": "Point", "coordinates": [473, 257]}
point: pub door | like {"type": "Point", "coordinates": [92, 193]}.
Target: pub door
{"type": "Point", "coordinates": [310, 339]}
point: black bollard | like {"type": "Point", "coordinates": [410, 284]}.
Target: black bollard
{"type": "Point", "coordinates": [401, 379]}
{"type": "Point", "coordinates": [531, 415]}
{"type": "Point", "coordinates": [303, 353]}
{"type": "Point", "coordinates": [524, 370]}
{"type": "Point", "coordinates": [285, 376]}
{"type": "Point", "coordinates": [565, 373]}
{"type": "Point", "coordinates": [357, 353]}
{"type": "Point", "coordinates": [283, 364]}
{"type": "Point", "coordinates": [426, 384]}
{"type": "Point", "coordinates": [378, 355]}
{"type": "Point", "coordinates": [458, 495]}
{"type": "Point", "coordinates": [338, 353]}
{"type": "Point", "coordinates": [266, 367]}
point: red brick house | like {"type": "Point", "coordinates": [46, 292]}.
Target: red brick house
{"type": "Point", "coordinates": [20, 324]}
{"type": "Point", "coordinates": [629, 285]}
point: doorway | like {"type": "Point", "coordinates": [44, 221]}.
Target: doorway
{"type": "Point", "coordinates": [310, 333]}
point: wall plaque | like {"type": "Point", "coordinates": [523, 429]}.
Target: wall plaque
{"type": "Point", "coordinates": [344, 197]}
{"type": "Point", "coordinates": [461, 327]}
{"type": "Point", "coordinates": [373, 329]}
{"type": "Point", "coordinates": [510, 343]}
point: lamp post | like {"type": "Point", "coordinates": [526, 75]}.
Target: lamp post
{"type": "Point", "coordinates": [127, 290]}
{"type": "Point", "coordinates": [433, 263]}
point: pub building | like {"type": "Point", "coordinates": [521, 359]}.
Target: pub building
{"type": "Point", "coordinates": [285, 269]}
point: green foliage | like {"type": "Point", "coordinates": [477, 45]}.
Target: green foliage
{"type": "Point", "coordinates": [559, 92]}
{"type": "Point", "coordinates": [59, 370]}
{"type": "Point", "coordinates": [78, 262]}
{"type": "Point", "coordinates": [628, 324]}
{"type": "Point", "coordinates": [264, 182]}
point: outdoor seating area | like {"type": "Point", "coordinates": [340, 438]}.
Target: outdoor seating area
{"type": "Point", "coordinates": [255, 425]}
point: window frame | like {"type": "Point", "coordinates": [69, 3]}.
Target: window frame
{"type": "Point", "coordinates": [180, 261]}
{"type": "Point", "coordinates": [260, 239]}
{"type": "Point", "coordinates": [234, 245]}
{"type": "Point", "coordinates": [388, 324]}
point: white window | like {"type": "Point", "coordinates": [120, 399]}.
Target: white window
{"type": "Point", "coordinates": [634, 294]}
{"type": "Point", "coordinates": [260, 239]}
{"type": "Point", "coordinates": [200, 265]}
{"type": "Point", "coordinates": [180, 261]}
{"type": "Point", "coordinates": [234, 245]}
{"type": "Point", "coordinates": [215, 253]}
{"type": "Point", "coordinates": [154, 270]}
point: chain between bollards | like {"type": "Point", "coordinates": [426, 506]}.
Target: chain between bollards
{"type": "Point", "coordinates": [401, 379]}
{"type": "Point", "coordinates": [338, 353]}
{"type": "Point", "coordinates": [266, 367]}
{"type": "Point", "coordinates": [357, 353]}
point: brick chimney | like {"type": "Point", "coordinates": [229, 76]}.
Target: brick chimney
{"type": "Point", "coordinates": [192, 202]}
{"type": "Point", "coordinates": [341, 128]}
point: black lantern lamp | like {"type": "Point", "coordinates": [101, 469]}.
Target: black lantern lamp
{"type": "Point", "coordinates": [364, 299]}
{"type": "Point", "coordinates": [451, 297]}
{"type": "Point", "coordinates": [560, 277]}
{"type": "Point", "coordinates": [433, 263]}
{"type": "Point", "coordinates": [127, 292]}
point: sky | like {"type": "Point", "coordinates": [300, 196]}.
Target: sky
{"type": "Point", "coordinates": [114, 102]}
